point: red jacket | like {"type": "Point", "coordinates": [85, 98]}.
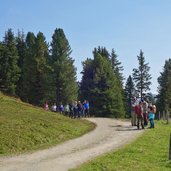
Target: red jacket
{"type": "Point", "coordinates": [139, 110]}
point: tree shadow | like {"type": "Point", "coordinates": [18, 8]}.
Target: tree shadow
{"type": "Point", "coordinates": [124, 128]}
{"type": "Point", "coordinates": [115, 126]}
{"type": "Point", "coordinates": [134, 129]}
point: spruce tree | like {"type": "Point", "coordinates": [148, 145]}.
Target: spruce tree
{"type": "Point", "coordinates": [9, 70]}
{"type": "Point", "coordinates": [102, 51]}
{"type": "Point", "coordinates": [141, 75]}
{"type": "Point", "coordinates": [64, 73]}
{"type": "Point", "coordinates": [29, 71]}
{"type": "Point", "coordinates": [42, 70]}
{"type": "Point", "coordinates": [87, 79]}
{"type": "Point", "coordinates": [129, 93]}
{"type": "Point", "coordinates": [100, 86]}
{"type": "Point", "coordinates": [116, 66]}
{"type": "Point", "coordinates": [164, 97]}
{"type": "Point", "coordinates": [21, 48]}
{"type": "Point", "coordinates": [36, 69]}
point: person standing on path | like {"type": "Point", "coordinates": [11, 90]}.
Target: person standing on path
{"type": "Point", "coordinates": [151, 117]}
{"type": "Point", "coordinates": [133, 113]}
{"type": "Point", "coordinates": [145, 112]}
{"type": "Point", "coordinates": [139, 112]}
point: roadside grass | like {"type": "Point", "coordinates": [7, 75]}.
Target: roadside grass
{"type": "Point", "coordinates": [150, 152]}
{"type": "Point", "coordinates": [24, 128]}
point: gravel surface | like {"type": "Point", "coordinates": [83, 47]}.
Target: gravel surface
{"type": "Point", "coordinates": [110, 134]}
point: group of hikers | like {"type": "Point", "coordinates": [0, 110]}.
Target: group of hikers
{"type": "Point", "coordinates": [142, 112]}
{"type": "Point", "coordinates": [75, 109]}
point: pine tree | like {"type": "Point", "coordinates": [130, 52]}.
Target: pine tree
{"type": "Point", "coordinates": [129, 93]}
{"type": "Point", "coordinates": [100, 87]}
{"type": "Point", "coordinates": [116, 66]}
{"type": "Point", "coordinates": [29, 72]}
{"type": "Point", "coordinates": [86, 83]}
{"type": "Point", "coordinates": [42, 69]}
{"type": "Point", "coordinates": [102, 51]}
{"type": "Point", "coordinates": [36, 70]}
{"type": "Point", "coordinates": [141, 75]}
{"type": "Point", "coordinates": [9, 70]}
{"type": "Point", "coordinates": [164, 97]}
{"type": "Point", "coordinates": [64, 73]}
{"type": "Point", "coordinates": [21, 48]}
{"type": "Point", "coordinates": [118, 69]}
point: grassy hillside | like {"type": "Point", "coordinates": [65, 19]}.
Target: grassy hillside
{"type": "Point", "coordinates": [149, 152]}
{"type": "Point", "coordinates": [25, 128]}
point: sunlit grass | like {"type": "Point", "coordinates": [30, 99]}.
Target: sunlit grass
{"type": "Point", "coordinates": [149, 152]}
{"type": "Point", "coordinates": [25, 128]}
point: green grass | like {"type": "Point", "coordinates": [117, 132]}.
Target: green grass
{"type": "Point", "coordinates": [148, 153]}
{"type": "Point", "coordinates": [24, 128]}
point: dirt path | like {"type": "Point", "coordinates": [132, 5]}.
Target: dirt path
{"type": "Point", "coordinates": [109, 134]}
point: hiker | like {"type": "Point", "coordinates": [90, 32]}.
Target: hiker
{"type": "Point", "coordinates": [86, 108]}
{"type": "Point", "coordinates": [61, 108]}
{"type": "Point", "coordinates": [139, 112]}
{"type": "Point", "coordinates": [145, 112]}
{"type": "Point", "coordinates": [66, 109]}
{"type": "Point", "coordinates": [71, 109]}
{"type": "Point", "coordinates": [79, 109]}
{"type": "Point", "coordinates": [75, 110]}
{"type": "Point", "coordinates": [133, 113]}
{"type": "Point", "coordinates": [54, 107]}
{"type": "Point", "coordinates": [154, 109]}
{"type": "Point", "coordinates": [46, 106]}
{"type": "Point", "coordinates": [151, 117]}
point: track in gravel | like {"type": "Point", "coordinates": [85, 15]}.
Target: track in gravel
{"type": "Point", "coordinates": [110, 134]}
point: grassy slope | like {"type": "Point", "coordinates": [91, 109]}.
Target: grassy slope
{"type": "Point", "coordinates": [148, 153]}
{"type": "Point", "coordinates": [25, 128]}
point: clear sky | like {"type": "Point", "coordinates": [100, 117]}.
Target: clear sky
{"type": "Point", "coordinates": [125, 25]}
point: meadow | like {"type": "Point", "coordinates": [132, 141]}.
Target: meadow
{"type": "Point", "coordinates": [150, 152]}
{"type": "Point", "coordinates": [25, 128]}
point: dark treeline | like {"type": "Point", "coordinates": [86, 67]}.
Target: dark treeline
{"type": "Point", "coordinates": [37, 71]}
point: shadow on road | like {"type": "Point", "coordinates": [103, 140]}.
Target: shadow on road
{"type": "Point", "coordinates": [115, 126]}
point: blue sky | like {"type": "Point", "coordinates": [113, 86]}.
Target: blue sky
{"type": "Point", "coordinates": [125, 25]}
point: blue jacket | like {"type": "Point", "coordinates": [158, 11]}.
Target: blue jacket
{"type": "Point", "coordinates": [150, 115]}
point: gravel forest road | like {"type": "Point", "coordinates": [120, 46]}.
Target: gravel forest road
{"type": "Point", "coordinates": [109, 134]}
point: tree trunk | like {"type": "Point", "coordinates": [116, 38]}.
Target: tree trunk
{"type": "Point", "coordinates": [159, 115]}
{"type": "Point", "coordinates": [167, 116]}
{"type": "Point", "coordinates": [164, 118]}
